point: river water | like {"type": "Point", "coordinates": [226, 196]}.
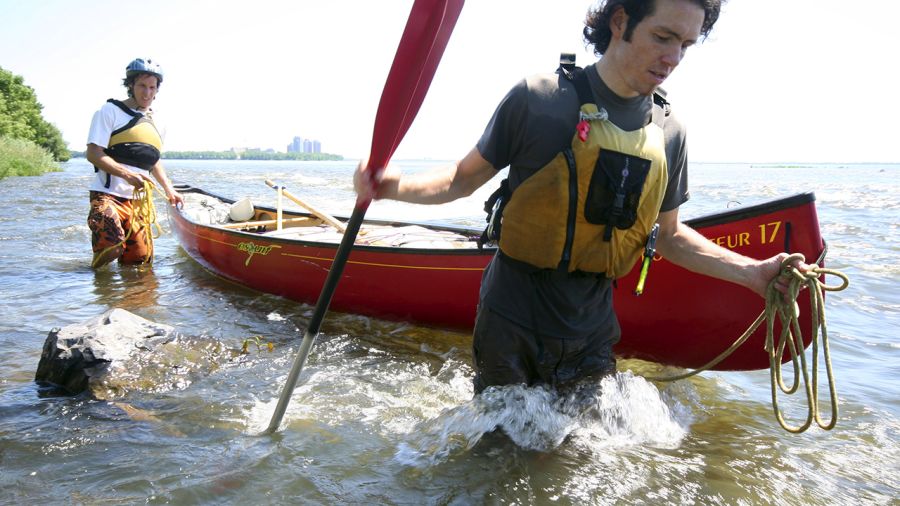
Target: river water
{"type": "Point", "coordinates": [384, 413]}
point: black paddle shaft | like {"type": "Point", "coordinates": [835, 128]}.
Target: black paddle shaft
{"type": "Point", "coordinates": [337, 268]}
{"type": "Point", "coordinates": [423, 42]}
{"type": "Point", "coordinates": [312, 330]}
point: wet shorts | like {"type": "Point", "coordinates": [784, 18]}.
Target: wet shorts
{"type": "Point", "coordinates": [110, 220]}
{"type": "Point", "coordinates": [506, 353]}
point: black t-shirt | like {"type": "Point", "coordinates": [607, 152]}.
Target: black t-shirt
{"type": "Point", "coordinates": [533, 123]}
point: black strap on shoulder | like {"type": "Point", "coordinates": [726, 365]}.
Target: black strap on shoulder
{"type": "Point", "coordinates": [121, 105]}
{"type": "Point", "coordinates": [583, 88]}
{"type": "Point", "coordinates": [577, 76]}
{"type": "Point", "coordinates": [661, 110]}
{"type": "Point", "coordinates": [135, 116]}
{"type": "Point", "coordinates": [567, 65]}
{"type": "Point", "coordinates": [661, 107]}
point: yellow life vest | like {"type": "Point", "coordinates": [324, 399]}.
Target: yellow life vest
{"type": "Point", "coordinates": [592, 207]}
{"type": "Point", "coordinates": [137, 143]}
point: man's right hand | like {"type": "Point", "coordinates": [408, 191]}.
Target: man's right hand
{"type": "Point", "coordinates": [372, 187]}
{"type": "Point", "coordinates": [137, 179]}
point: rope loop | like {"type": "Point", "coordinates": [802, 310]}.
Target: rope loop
{"type": "Point", "coordinates": [144, 212]}
{"type": "Point", "coordinates": [784, 308]}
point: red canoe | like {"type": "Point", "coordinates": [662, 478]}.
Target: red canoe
{"type": "Point", "coordinates": [431, 274]}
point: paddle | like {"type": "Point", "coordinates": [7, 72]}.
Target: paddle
{"type": "Point", "coordinates": [423, 42]}
{"type": "Point", "coordinates": [389, 109]}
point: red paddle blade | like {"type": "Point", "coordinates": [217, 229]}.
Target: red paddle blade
{"type": "Point", "coordinates": [451, 15]}
{"type": "Point", "coordinates": [423, 42]}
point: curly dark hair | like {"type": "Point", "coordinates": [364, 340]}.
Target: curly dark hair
{"type": "Point", "coordinates": [596, 25]}
{"type": "Point", "coordinates": [128, 81]}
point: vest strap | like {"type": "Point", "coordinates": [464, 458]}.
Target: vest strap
{"type": "Point", "coordinates": [121, 105]}
{"type": "Point", "coordinates": [661, 107]}
{"type": "Point", "coordinates": [567, 65]}
{"type": "Point", "coordinates": [583, 88]}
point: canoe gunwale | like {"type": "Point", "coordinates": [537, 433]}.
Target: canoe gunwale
{"type": "Point", "coordinates": [699, 222]}
{"type": "Point", "coordinates": [461, 230]}
{"type": "Point", "coordinates": [750, 211]}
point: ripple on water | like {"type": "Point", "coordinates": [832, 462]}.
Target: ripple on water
{"type": "Point", "coordinates": [384, 413]}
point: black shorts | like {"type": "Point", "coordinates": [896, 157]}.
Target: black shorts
{"type": "Point", "coordinates": [506, 353]}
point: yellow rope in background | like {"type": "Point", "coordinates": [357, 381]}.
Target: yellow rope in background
{"type": "Point", "coordinates": [144, 212]}
{"type": "Point", "coordinates": [785, 309]}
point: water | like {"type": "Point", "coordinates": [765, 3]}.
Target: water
{"type": "Point", "coordinates": [384, 413]}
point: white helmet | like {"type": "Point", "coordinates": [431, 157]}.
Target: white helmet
{"type": "Point", "coordinates": [142, 66]}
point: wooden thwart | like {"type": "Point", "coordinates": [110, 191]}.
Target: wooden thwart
{"type": "Point", "coordinates": [327, 218]}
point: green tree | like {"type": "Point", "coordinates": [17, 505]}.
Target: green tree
{"type": "Point", "coordinates": [20, 116]}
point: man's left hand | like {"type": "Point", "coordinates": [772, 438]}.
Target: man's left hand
{"type": "Point", "coordinates": [176, 200]}
{"type": "Point", "coordinates": [770, 269]}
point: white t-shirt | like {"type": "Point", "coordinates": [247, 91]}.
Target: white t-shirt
{"type": "Point", "coordinates": [103, 124]}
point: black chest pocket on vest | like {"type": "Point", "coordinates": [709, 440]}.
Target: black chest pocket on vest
{"type": "Point", "coordinates": [136, 154]}
{"type": "Point", "coordinates": [615, 190]}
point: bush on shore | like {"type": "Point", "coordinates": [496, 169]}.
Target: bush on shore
{"type": "Point", "coordinates": [19, 157]}
{"type": "Point", "coordinates": [21, 118]}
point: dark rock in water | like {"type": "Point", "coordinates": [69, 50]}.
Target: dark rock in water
{"type": "Point", "coordinates": [79, 357]}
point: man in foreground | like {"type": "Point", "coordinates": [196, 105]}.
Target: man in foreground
{"type": "Point", "coordinates": [596, 160]}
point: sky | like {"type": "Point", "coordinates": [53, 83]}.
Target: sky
{"type": "Point", "coordinates": [777, 80]}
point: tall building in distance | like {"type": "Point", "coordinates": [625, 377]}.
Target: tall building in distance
{"type": "Point", "coordinates": [301, 145]}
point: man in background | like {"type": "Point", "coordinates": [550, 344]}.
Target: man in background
{"type": "Point", "coordinates": [124, 146]}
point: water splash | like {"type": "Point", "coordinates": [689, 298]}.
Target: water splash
{"type": "Point", "coordinates": [275, 317]}
{"type": "Point", "coordinates": [622, 410]}
{"type": "Point", "coordinates": [627, 410]}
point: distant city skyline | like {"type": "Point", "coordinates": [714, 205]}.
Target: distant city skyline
{"type": "Point", "coordinates": [302, 145]}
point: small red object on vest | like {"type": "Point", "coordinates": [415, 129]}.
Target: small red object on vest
{"type": "Point", "coordinates": [583, 128]}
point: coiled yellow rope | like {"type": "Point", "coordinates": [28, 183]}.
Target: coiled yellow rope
{"type": "Point", "coordinates": [786, 310]}
{"type": "Point", "coordinates": [144, 219]}
{"type": "Point", "coordinates": [145, 213]}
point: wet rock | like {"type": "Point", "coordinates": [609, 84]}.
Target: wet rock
{"type": "Point", "coordinates": [81, 357]}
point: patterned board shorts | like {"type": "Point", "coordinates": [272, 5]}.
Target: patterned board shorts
{"type": "Point", "coordinates": [110, 220]}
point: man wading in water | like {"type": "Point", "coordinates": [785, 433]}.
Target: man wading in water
{"type": "Point", "coordinates": [124, 147]}
{"type": "Point", "coordinates": [596, 158]}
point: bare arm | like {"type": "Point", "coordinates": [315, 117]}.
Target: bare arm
{"type": "Point", "coordinates": [159, 173]}
{"type": "Point", "coordinates": [437, 186]}
{"type": "Point", "coordinates": [684, 246]}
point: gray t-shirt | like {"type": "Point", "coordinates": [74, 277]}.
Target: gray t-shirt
{"type": "Point", "coordinates": [533, 123]}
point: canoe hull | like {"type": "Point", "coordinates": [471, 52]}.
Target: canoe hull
{"type": "Point", "coordinates": [682, 319]}
{"type": "Point", "coordinates": [437, 288]}
{"type": "Point", "coordinates": [686, 319]}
